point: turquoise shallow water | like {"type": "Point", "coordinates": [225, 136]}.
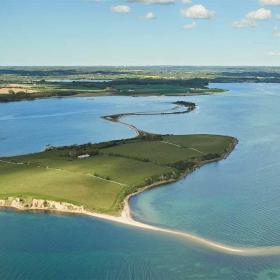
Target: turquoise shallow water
{"type": "Point", "coordinates": [43, 246]}
{"type": "Point", "coordinates": [235, 201]}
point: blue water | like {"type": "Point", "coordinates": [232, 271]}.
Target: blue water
{"type": "Point", "coordinates": [29, 126]}
{"type": "Point", "coordinates": [41, 246]}
{"type": "Point", "coordinates": [235, 201]}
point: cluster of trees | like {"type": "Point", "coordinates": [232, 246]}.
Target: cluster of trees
{"type": "Point", "coordinates": [240, 79]}
{"type": "Point", "coordinates": [16, 96]}
{"type": "Point", "coordinates": [183, 165]}
{"type": "Point", "coordinates": [191, 83]}
{"type": "Point", "coordinates": [268, 74]}
{"type": "Point", "coordinates": [33, 72]}
{"type": "Point", "coordinates": [74, 151]}
{"type": "Point", "coordinates": [39, 72]}
{"type": "Point", "coordinates": [195, 83]}
{"type": "Point", "coordinates": [162, 177]}
{"type": "Point", "coordinates": [210, 156]}
{"type": "Point", "coordinates": [190, 105]}
{"type": "Point", "coordinates": [86, 148]}
{"type": "Point", "coordinates": [22, 95]}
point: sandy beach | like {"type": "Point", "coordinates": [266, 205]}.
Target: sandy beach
{"type": "Point", "coordinates": [126, 219]}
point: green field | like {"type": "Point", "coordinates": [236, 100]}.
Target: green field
{"type": "Point", "coordinates": [28, 83]}
{"type": "Point", "coordinates": [161, 89]}
{"type": "Point", "coordinates": [114, 169]}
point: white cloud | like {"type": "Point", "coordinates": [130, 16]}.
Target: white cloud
{"type": "Point", "coordinates": [121, 9]}
{"type": "Point", "coordinates": [159, 2]}
{"type": "Point", "coordinates": [190, 26]}
{"type": "Point", "coordinates": [197, 12]}
{"type": "Point", "coordinates": [278, 17]}
{"type": "Point", "coordinates": [260, 14]}
{"type": "Point", "coordinates": [186, 1]}
{"type": "Point", "coordinates": [150, 16]}
{"type": "Point", "coordinates": [252, 17]}
{"type": "Point", "coordinates": [273, 53]}
{"type": "Point", "coordinates": [243, 23]}
{"type": "Point", "coordinates": [270, 2]}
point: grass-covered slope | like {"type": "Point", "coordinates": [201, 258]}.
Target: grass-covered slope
{"type": "Point", "coordinates": [114, 169]}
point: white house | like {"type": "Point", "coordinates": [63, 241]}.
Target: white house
{"type": "Point", "coordinates": [83, 156]}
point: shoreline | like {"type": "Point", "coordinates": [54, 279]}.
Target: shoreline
{"type": "Point", "coordinates": [190, 106]}
{"type": "Point", "coordinates": [126, 217]}
{"type": "Point", "coordinates": [105, 94]}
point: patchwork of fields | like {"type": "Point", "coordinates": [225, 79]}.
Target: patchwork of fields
{"type": "Point", "coordinates": [111, 170]}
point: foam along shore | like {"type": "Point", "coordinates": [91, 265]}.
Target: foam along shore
{"type": "Point", "coordinates": [126, 219]}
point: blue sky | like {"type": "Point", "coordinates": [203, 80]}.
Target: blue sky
{"type": "Point", "coordinates": [123, 32]}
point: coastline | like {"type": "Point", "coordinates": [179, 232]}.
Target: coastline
{"type": "Point", "coordinates": [126, 217]}
{"type": "Point", "coordinates": [190, 106]}
{"type": "Point", "coordinates": [103, 94]}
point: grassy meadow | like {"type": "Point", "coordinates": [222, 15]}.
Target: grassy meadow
{"type": "Point", "coordinates": [113, 170]}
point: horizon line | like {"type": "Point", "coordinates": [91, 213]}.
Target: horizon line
{"type": "Point", "coordinates": [144, 65]}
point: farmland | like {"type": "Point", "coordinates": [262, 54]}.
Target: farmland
{"type": "Point", "coordinates": [111, 171]}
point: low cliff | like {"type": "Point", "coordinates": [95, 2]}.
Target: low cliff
{"type": "Point", "coordinates": [39, 204]}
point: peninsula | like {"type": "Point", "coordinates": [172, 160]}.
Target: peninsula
{"type": "Point", "coordinates": [99, 179]}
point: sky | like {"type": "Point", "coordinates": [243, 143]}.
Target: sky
{"type": "Point", "coordinates": [140, 32]}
